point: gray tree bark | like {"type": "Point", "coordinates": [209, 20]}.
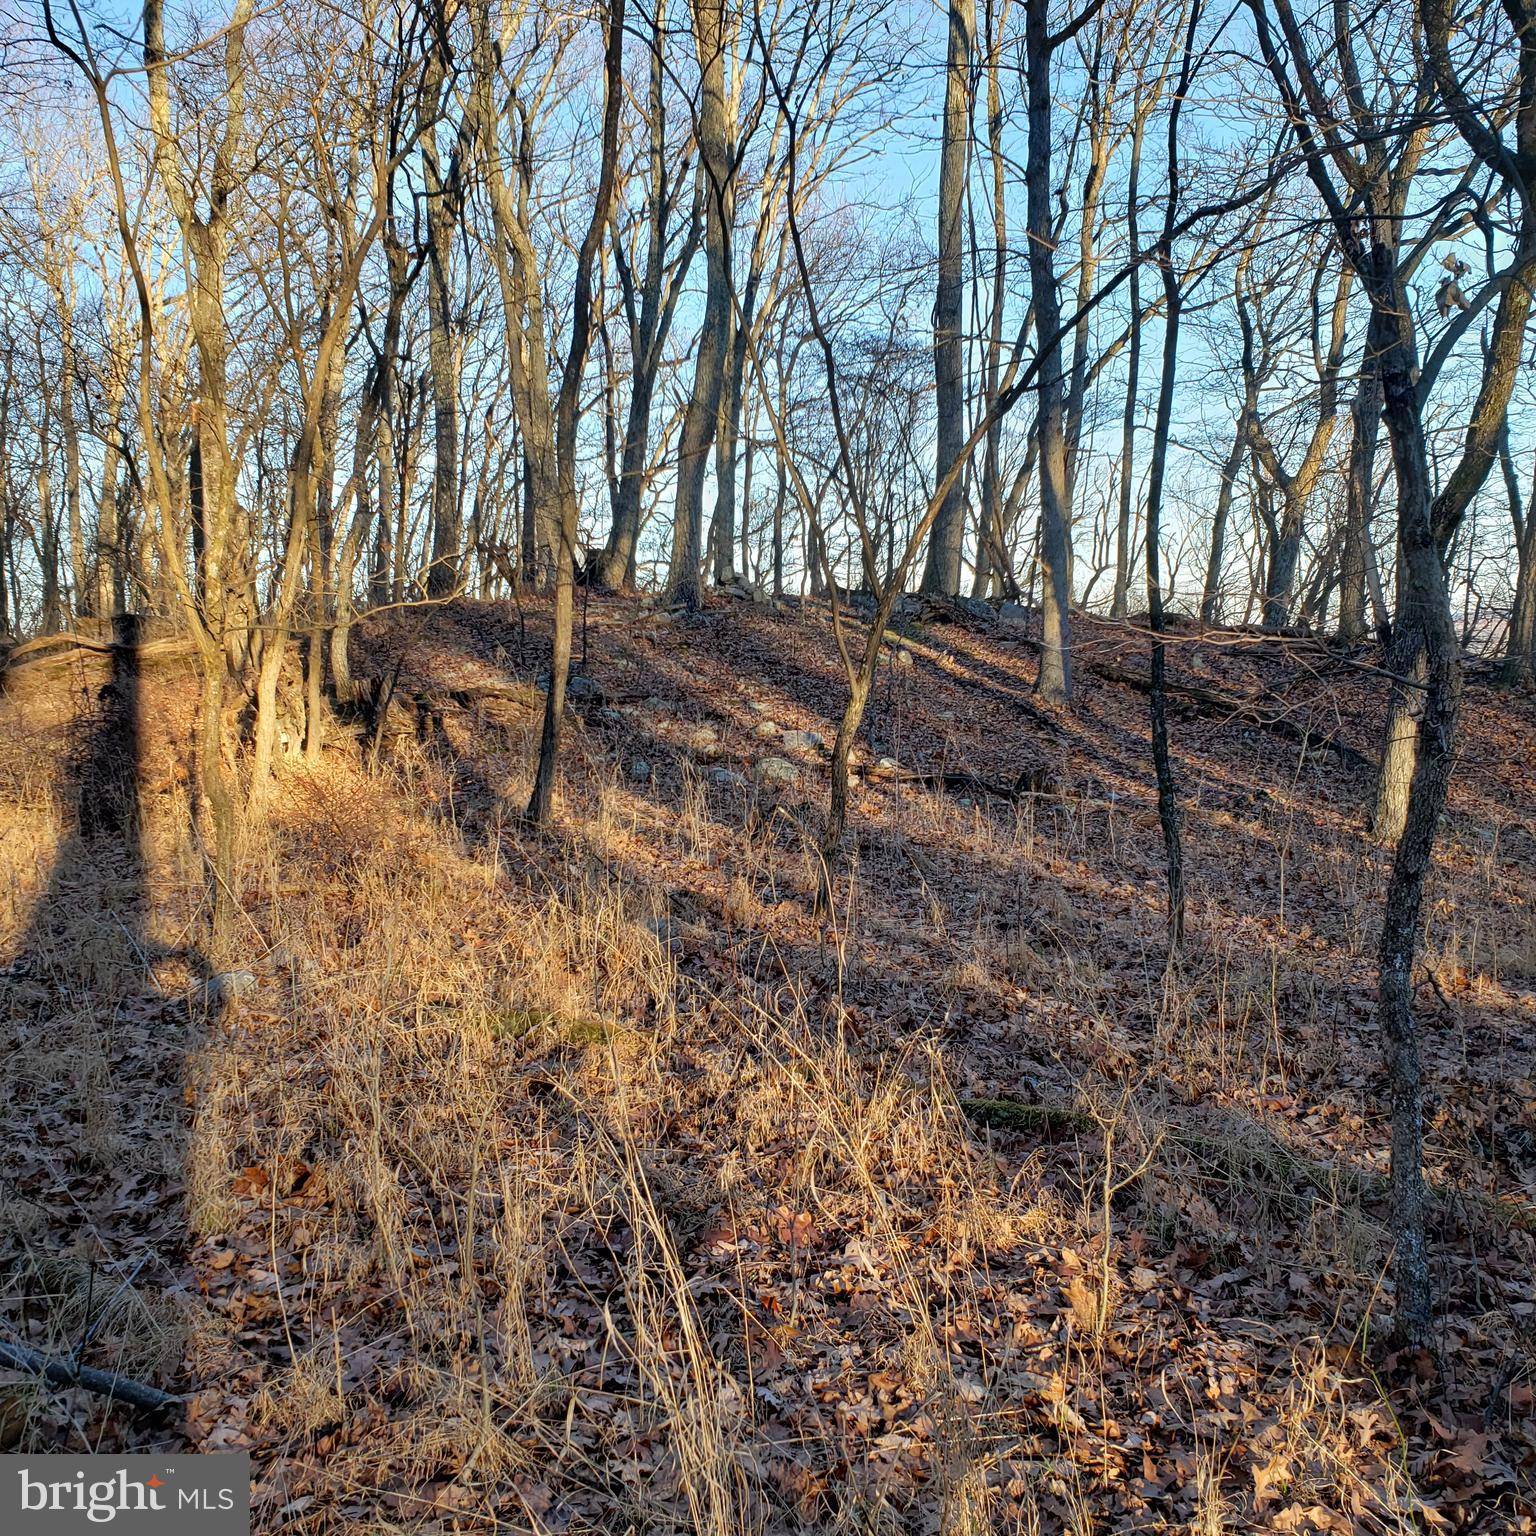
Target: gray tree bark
{"type": "Point", "coordinates": [946, 541]}
{"type": "Point", "coordinates": [717, 170]}
{"type": "Point", "coordinates": [1055, 678]}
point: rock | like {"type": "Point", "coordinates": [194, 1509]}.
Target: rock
{"type": "Point", "coordinates": [578, 689]}
{"type": "Point", "coordinates": [804, 741]}
{"type": "Point", "coordinates": [902, 657]}
{"type": "Point", "coordinates": [976, 608]}
{"type": "Point", "coordinates": [775, 772]}
{"type": "Point", "coordinates": [745, 590]}
{"type": "Point", "coordinates": [1014, 614]}
{"type": "Point", "coordinates": [703, 742]}
{"type": "Point", "coordinates": [640, 771]}
{"type": "Point", "coordinates": [765, 729]}
{"type": "Point", "coordinates": [760, 706]}
{"type": "Point", "coordinates": [225, 987]}
{"type": "Point", "coordinates": [727, 779]}
{"type": "Point", "coordinates": [887, 765]}
{"type": "Point", "coordinates": [667, 933]}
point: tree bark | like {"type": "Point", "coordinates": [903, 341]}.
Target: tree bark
{"type": "Point", "coordinates": [566, 416]}
{"type": "Point", "coordinates": [945, 543]}
{"type": "Point", "coordinates": [1365, 417]}
{"type": "Point", "coordinates": [718, 175]}
{"type": "Point", "coordinates": [1210, 597]}
{"type": "Point", "coordinates": [1519, 669]}
{"type": "Point", "coordinates": [1055, 678]}
{"type": "Point", "coordinates": [650, 322]}
{"type": "Point", "coordinates": [1119, 603]}
{"type": "Point", "coordinates": [442, 217]}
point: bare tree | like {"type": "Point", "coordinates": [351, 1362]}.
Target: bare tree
{"type": "Point", "coordinates": [942, 571]}
{"type": "Point", "coordinates": [711, 24]}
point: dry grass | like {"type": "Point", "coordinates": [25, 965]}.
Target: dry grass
{"type": "Point", "coordinates": [587, 1184]}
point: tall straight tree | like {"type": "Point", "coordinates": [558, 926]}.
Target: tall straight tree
{"type": "Point", "coordinates": [1358, 554]}
{"type": "Point", "coordinates": [442, 196]}
{"type": "Point", "coordinates": [993, 567]}
{"type": "Point", "coordinates": [1040, 45]}
{"type": "Point", "coordinates": [717, 167]}
{"type": "Point", "coordinates": [567, 413]}
{"type": "Point", "coordinates": [941, 573]}
{"type": "Point", "coordinates": [1173, 306]}
{"type": "Point", "coordinates": [549, 429]}
{"type": "Point", "coordinates": [650, 303]}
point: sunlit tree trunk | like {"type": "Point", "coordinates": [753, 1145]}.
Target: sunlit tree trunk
{"type": "Point", "coordinates": [1055, 678]}
{"type": "Point", "coordinates": [1519, 669]}
{"type": "Point", "coordinates": [1120, 601]}
{"type": "Point", "coordinates": [716, 167]}
{"type": "Point", "coordinates": [942, 572]}
{"type": "Point", "coordinates": [442, 195]}
{"type": "Point", "coordinates": [1365, 419]}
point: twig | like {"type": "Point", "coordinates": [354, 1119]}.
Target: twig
{"type": "Point", "coordinates": [65, 1373]}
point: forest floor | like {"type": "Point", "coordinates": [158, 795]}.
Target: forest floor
{"type": "Point", "coordinates": [593, 1181]}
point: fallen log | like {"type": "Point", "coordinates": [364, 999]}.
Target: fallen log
{"type": "Point", "coordinates": [1017, 1115]}
{"type": "Point", "coordinates": [1299, 1178]}
{"type": "Point", "coordinates": [64, 649]}
{"type": "Point", "coordinates": [66, 1373]}
{"type": "Point", "coordinates": [1032, 781]}
{"type": "Point", "coordinates": [1250, 711]}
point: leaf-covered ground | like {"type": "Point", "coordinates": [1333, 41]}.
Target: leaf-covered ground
{"type": "Point", "coordinates": [596, 1181]}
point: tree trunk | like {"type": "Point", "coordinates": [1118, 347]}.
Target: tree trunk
{"type": "Point", "coordinates": [1365, 417]}
{"type": "Point", "coordinates": [1280, 567]}
{"type": "Point", "coordinates": [701, 419]}
{"type": "Point", "coordinates": [1162, 761]}
{"type": "Point", "coordinates": [1407, 720]}
{"type": "Point", "coordinates": [649, 324]}
{"type": "Point", "coordinates": [1120, 605]}
{"type": "Point", "coordinates": [945, 543]}
{"type": "Point", "coordinates": [727, 440]}
{"type": "Point", "coordinates": [567, 410]}
{"type": "Point", "coordinates": [1100, 126]}
{"type": "Point", "coordinates": [1425, 613]}
{"type": "Point", "coordinates": [442, 217]}
{"type": "Point", "coordinates": [1210, 598]}
{"type": "Point", "coordinates": [991, 556]}
{"type": "Point", "coordinates": [69, 431]}
{"type": "Point", "coordinates": [1055, 679]}
{"type": "Point", "coordinates": [1519, 668]}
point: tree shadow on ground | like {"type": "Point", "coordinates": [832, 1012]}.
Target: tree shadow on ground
{"type": "Point", "coordinates": [97, 1020]}
{"type": "Point", "coordinates": [755, 984]}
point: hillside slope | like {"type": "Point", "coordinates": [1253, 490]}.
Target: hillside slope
{"type": "Point", "coordinates": [596, 1181]}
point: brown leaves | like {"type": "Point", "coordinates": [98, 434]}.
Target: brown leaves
{"type": "Point", "coordinates": [434, 1300]}
{"type": "Point", "coordinates": [1270, 1479]}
